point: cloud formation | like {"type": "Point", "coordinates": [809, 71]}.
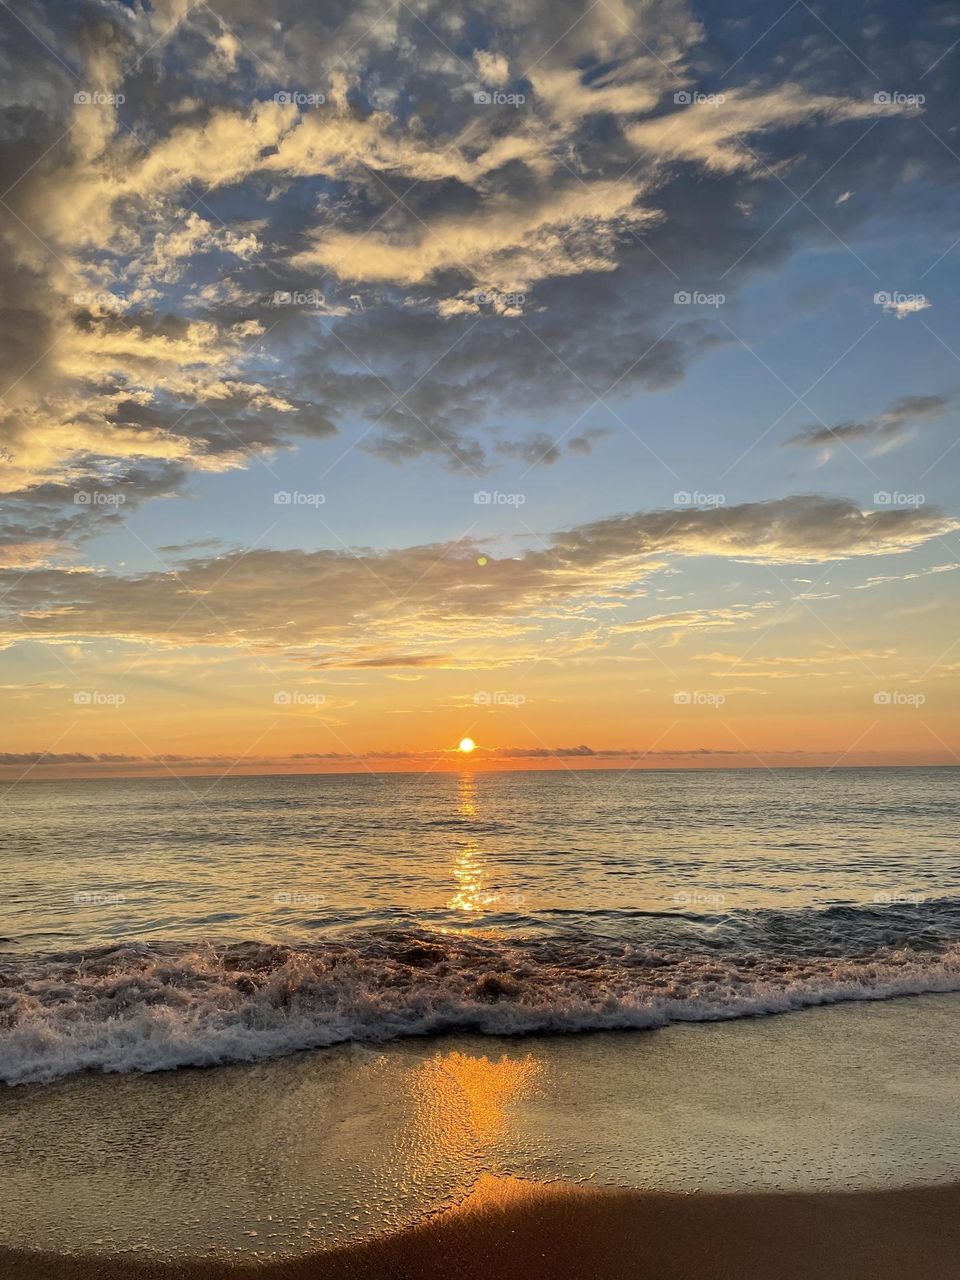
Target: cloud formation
{"type": "Point", "coordinates": [424, 600]}
{"type": "Point", "coordinates": [170, 173]}
{"type": "Point", "coordinates": [893, 428]}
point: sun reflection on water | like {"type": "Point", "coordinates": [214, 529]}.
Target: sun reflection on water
{"type": "Point", "coordinates": [468, 864]}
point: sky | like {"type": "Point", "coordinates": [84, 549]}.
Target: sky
{"type": "Point", "coordinates": [582, 378]}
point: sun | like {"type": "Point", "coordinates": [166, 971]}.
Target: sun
{"type": "Point", "coordinates": [466, 745]}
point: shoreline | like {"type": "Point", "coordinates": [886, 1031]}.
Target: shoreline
{"type": "Point", "coordinates": [339, 1146]}
{"type": "Point", "coordinates": [515, 1230]}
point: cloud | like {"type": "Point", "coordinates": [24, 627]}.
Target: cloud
{"type": "Point", "coordinates": [16, 765]}
{"type": "Point", "coordinates": [430, 601]}
{"type": "Point", "coordinates": [901, 307]}
{"type": "Point", "coordinates": [174, 763]}
{"type": "Point", "coordinates": [713, 132]}
{"type": "Point", "coordinates": [136, 315]}
{"type": "Point", "coordinates": [543, 449]}
{"type": "Point", "coordinates": [696, 619]}
{"type": "Point", "coordinates": [890, 430]}
{"type": "Point", "coordinates": [509, 246]}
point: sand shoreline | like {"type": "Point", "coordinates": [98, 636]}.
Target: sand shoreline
{"type": "Point", "coordinates": [517, 1229]}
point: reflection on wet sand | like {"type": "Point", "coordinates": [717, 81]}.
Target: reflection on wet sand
{"type": "Point", "coordinates": [462, 1102]}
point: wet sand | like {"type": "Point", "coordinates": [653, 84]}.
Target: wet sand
{"type": "Point", "coordinates": [327, 1149]}
{"type": "Point", "coordinates": [769, 1149]}
{"type": "Point", "coordinates": [514, 1230]}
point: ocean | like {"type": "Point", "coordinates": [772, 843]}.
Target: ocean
{"type": "Point", "coordinates": [156, 924]}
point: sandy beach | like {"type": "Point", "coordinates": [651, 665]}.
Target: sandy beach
{"type": "Point", "coordinates": [513, 1229]}
{"type": "Point", "coordinates": [718, 1146]}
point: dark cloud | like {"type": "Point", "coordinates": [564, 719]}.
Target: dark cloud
{"type": "Point", "coordinates": [440, 263]}
{"type": "Point", "coordinates": [544, 450]}
{"type": "Point", "coordinates": [891, 429]}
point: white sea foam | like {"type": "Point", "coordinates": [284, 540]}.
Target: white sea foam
{"type": "Point", "coordinates": [158, 1008]}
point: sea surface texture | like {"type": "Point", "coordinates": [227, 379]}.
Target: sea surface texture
{"type": "Point", "coordinates": [152, 924]}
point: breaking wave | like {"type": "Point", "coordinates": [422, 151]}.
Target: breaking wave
{"type": "Point", "coordinates": [156, 1007]}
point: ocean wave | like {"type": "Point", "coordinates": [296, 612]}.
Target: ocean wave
{"type": "Point", "coordinates": [156, 1007]}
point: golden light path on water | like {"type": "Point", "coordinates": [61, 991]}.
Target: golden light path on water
{"type": "Point", "coordinates": [468, 864]}
{"type": "Point", "coordinates": [462, 1101]}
